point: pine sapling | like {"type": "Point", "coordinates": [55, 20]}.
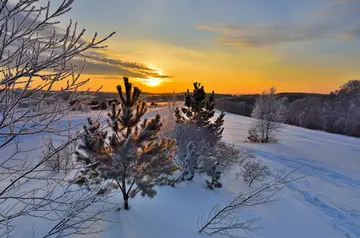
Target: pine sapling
{"type": "Point", "coordinates": [199, 110]}
{"type": "Point", "coordinates": [132, 156]}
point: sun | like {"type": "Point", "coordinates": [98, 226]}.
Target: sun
{"type": "Point", "coordinates": [152, 82]}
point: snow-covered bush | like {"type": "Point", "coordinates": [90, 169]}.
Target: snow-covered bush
{"type": "Point", "coordinates": [189, 137]}
{"type": "Point", "coordinates": [63, 159]}
{"type": "Point", "coordinates": [190, 163]}
{"type": "Point", "coordinates": [197, 155]}
{"type": "Point", "coordinates": [192, 143]}
{"type": "Point", "coordinates": [168, 120]}
{"type": "Point", "coordinates": [270, 111]}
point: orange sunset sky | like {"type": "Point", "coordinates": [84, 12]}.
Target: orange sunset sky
{"type": "Point", "coordinates": [231, 46]}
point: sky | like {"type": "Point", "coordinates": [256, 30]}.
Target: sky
{"type": "Point", "coordinates": [230, 46]}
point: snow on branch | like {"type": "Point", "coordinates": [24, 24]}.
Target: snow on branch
{"type": "Point", "coordinates": [40, 78]}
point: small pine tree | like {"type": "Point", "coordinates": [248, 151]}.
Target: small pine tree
{"type": "Point", "coordinates": [199, 110]}
{"type": "Point", "coordinates": [204, 135]}
{"type": "Point", "coordinates": [132, 155]}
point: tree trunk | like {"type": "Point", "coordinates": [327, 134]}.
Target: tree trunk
{"type": "Point", "coordinates": [125, 195]}
{"type": "Point", "coordinates": [268, 124]}
{"type": "Point", "coordinates": [126, 201]}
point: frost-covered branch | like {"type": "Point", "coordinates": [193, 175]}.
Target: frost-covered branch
{"type": "Point", "coordinates": [40, 78]}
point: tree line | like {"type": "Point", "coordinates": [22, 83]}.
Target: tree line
{"type": "Point", "coordinates": [336, 112]}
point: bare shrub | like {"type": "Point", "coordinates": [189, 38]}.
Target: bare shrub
{"type": "Point", "coordinates": [224, 219]}
{"type": "Point", "coordinates": [255, 171]}
{"type": "Point", "coordinates": [63, 160]}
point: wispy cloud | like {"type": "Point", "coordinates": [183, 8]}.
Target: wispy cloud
{"type": "Point", "coordinates": [266, 36]}
{"type": "Point", "coordinates": [314, 22]}
{"type": "Point", "coordinates": [101, 63]}
{"type": "Point", "coordinates": [343, 1]}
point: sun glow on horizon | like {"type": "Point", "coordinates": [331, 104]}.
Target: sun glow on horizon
{"type": "Point", "coordinates": [152, 82]}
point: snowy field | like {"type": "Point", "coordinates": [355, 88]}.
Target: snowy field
{"type": "Point", "coordinates": [325, 203]}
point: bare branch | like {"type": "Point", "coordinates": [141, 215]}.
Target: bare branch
{"type": "Point", "coordinates": [39, 87]}
{"type": "Point", "coordinates": [224, 220]}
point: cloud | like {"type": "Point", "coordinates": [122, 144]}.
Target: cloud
{"type": "Point", "coordinates": [101, 57]}
{"type": "Point", "coordinates": [310, 22]}
{"type": "Point", "coordinates": [343, 1]}
{"type": "Point", "coordinates": [256, 36]}
{"type": "Point", "coordinates": [265, 35]}
{"type": "Point", "coordinates": [100, 63]}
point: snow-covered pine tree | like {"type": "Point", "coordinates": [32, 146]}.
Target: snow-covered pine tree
{"type": "Point", "coordinates": [132, 156]}
{"type": "Point", "coordinates": [197, 131]}
{"type": "Point", "coordinates": [199, 110]}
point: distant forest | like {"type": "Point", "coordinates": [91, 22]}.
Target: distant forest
{"type": "Point", "coordinates": [336, 112]}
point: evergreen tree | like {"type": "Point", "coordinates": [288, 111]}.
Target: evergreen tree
{"type": "Point", "coordinates": [132, 155]}
{"type": "Point", "coordinates": [201, 134]}
{"type": "Point", "coordinates": [199, 109]}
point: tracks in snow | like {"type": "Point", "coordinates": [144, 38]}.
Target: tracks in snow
{"type": "Point", "coordinates": [342, 219]}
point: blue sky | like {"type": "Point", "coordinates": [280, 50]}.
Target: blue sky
{"type": "Point", "coordinates": [296, 45]}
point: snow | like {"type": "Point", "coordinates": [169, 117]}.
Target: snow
{"type": "Point", "coordinates": [325, 203]}
{"type": "Point", "coordinates": [331, 188]}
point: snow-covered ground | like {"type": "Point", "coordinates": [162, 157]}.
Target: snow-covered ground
{"type": "Point", "coordinates": [325, 203]}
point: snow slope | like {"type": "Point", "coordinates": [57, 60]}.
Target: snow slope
{"type": "Point", "coordinates": [331, 187]}
{"type": "Point", "coordinates": [326, 203]}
